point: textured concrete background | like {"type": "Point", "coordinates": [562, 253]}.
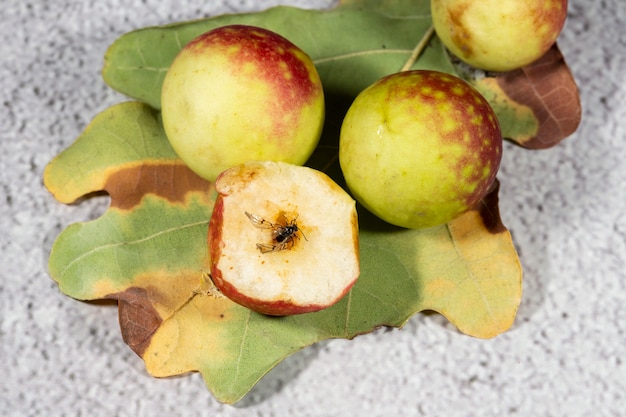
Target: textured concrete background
{"type": "Point", "coordinates": [565, 207]}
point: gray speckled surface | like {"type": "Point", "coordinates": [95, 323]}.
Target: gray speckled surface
{"type": "Point", "coordinates": [565, 207]}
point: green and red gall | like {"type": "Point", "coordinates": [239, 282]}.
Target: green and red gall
{"type": "Point", "coordinates": [239, 93]}
{"type": "Point", "coordinates": [420, 148]}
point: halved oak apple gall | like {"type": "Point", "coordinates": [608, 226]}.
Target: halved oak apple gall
{"type": "Point", "coordinates": [283, 239]}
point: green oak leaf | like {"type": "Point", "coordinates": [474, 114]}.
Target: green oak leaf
{"type": "Point", "coordinates": [149, 252]}
{"type": "Point", "coordinates": [354, 45]}
{"type": "Point", "coordinates": [351, 47]}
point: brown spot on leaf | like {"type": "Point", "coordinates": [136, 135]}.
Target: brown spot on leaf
{"type": "Point", "coordinates": [549, 89]}
{"type": "Point", "coordinates": [489, 211]}
{"type": "Point", "coordinates": [172, 181]}
{"type": "Point", "coordinates": [138, 318]}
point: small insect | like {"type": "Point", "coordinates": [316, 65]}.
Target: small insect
{"type": "Point", "coordinates": [284, 234]}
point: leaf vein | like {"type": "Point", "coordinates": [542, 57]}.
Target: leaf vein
{"type": "Point", "coordinates": [142, 68]}
{"type": "Point", "coordinates": [132, 242]}
{"type": "Point", "coordinates": [347, 322]}
{"type": "Point", "coordinates": [382, 301]}
{"type": "Point", "coordinates": [471, 274]}
{"type": "Point", "coordinates": [340, 57]}
{"type": "Point", "coordinates": [125, 142]}
{"type": "Point", "coordinates": [243, 342]}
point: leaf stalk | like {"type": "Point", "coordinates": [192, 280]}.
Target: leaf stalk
{"type": "Point", "coordinates": [419, 48]}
